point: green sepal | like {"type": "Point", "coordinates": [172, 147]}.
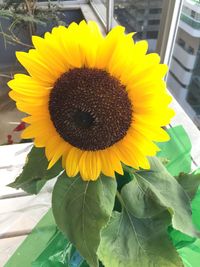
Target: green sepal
{"type": "Point", "coordinates": [35, 174]}
{"type": "Point", "coordinates": [81, 209]}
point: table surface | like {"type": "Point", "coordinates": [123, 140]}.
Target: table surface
{"type": "Point", "coordinates": [19, 212]}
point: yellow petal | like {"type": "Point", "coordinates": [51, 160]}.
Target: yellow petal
{"type": "Point", "coordinates": [51, 146]}
{"type": "Point", "coordinates": [64, 157]}
{"type": "Point", "coordinates": [51, 53]}
{"type": "Point", "coordinates": [132, 154]}
{"type": "Point", "coordinates": [32, 119]}
{"type": "Point", "coordinates": [59, 151]}
{"type": "Point", "coordinates": [145, 143]}
{"type": "Point", "coordinates": [41, 140]}
{"type": "Point", "coordinates": [72, 161]}
{"type": "Point", "coordinates": [156, 117]}
{"type": "Point", "coordinates": [154, 133]}
{"type": "Point", "coordinates": [38, 70]}
{"type": "Point", "coordinates": [106, 165]}
{"type": "Point", "coordinates": [156, 73]}
{"type": "Point", "coordinates": [143, 66]}
{"type": "Point", "coordinates": [71, 48]}
{"type": "Point", "coordinates": [90, 166]}
{"type": "Point", "coordinates": [89, 34]}
{"type": "Point", "coordinates": [127, 155]}
{"type": "Point", "coordinates": [121, 56]}
{"type": "Point", "coordinates": [107, 47]}
{"type": "Point", "coordinates": [137, 54]}
{"type": "Point", "coordinates": [114, 158]}
{"type": "Point", "coordinates": [38, 101]}
{"type": "Point", "coordinates": [26, 85]}
{"type": "Point", "coordinates": [32, 109]}
{"type": "Point", "coordinates": [29, 132]}
{"type": "Point", "coordinates": [83, 167]}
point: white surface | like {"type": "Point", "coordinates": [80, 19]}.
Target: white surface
{"type": "Point", "coordinates": [18, 215]}
{"type": "Point", "coordinates": [8, 247]}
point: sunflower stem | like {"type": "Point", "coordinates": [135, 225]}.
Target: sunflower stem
{"type": "Point", "coordinates": [120, 199]}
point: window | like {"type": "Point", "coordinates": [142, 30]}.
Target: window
{"type": "Point", "coordinates": [190, 50]}
{"type": "Point", "coordinates": [154, 22]}
{"type": "Point", "coordinates": [193, 14]}
{"type": "Point", "coordinates": [188, 40]}
{"type": "Point", "coordinates": [141, 11]}
{"type": "Point", "coordinates": [141, 22]}
{"type": "Point", "coordinates": [193, 97]}
{"type": "Point", "coordinates": [181, 42]}
{"type": "Point", "coordinates": [152, 34]}
{"type": "Point", "coordinates": [155, 11]}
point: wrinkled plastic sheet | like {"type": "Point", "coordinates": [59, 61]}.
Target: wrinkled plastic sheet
{"type": "Point", "coordinates": [47, 247]}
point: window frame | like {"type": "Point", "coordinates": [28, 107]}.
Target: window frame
{"type": "Point", "coordinates": [170, 17]}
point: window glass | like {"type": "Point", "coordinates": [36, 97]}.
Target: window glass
{"type": "Point", "coordinates": [155, 10]}
{"type": "Point", "coordinates": [184, 76]}
{"type": "Point", "coordinates": [154, 22]}
{"type": "Point", "coordinates": [142, 17]}
{"type": "Point", "coordinates": [181, 42]}
{"type": "Point", "coordinates": [193, 14]}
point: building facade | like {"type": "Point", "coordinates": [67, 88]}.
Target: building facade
{"type": "Point", "coordinates": [184, 76]}
{"type": "Point", "coordinates": [141, 16]}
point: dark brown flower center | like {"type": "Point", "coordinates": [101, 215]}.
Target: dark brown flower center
{"type": "Point", "coordinates": [90, 109]}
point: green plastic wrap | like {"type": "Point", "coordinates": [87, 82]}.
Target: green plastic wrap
{"type": "Point", "coordinates": [176, 152]}
{"type": "Point", "coordinates": [178, 159]}
{"type": "Point", "coordinates": [46, 246]}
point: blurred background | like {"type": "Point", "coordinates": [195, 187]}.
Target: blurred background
{"type": "Point", "coordinates": [172, 29]}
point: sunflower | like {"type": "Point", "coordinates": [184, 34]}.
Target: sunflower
{"type": "Point", "coordinates": [96, 101]}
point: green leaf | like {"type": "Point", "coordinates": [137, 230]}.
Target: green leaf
{"type": "Point", "coordinates": [35, 174]}
{"type": "Point", "coordinates": [129, 241]}
{"type": "Point", "coordinates": [189, 182]}
{"type": "Point", "coordinates": [169, 194]}
{"type": "Point", "coordinates": [32, 187]}
{"type": "Point", "coordinates": [81, 209]}
{"type": "Point", "coordinates": [142, 200]}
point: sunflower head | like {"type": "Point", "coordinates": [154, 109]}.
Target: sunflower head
{"type": "Point", "coordinates": [96, 101]}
